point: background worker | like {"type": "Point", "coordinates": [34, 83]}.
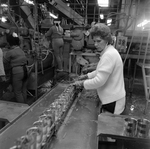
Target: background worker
{"type": "Point", "coordinates": [55, 34]}
{"type": "Point", "coordinates": [18, 63]}
{"type": "Point", "coordinates": [2, 74]}
{"type": "Point", "coordinates": [108, 77]}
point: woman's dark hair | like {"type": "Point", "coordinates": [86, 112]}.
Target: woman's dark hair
{"type": "Point", "coordinates": [13, 41]}
{"type": "Point", "coordinates": [103, 31]}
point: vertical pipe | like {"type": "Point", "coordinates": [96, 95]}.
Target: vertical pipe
{"type": "Point", "coordinates": [73, 9]}
{"type": "Point", "coordinates": [86, 20]}
{"type": "Point", "coordinates": [98, 14]}
{"type": "Point", "coordinates": [94, 13]}
{"type": "Point", "coordinates": [140, 47]}
{"type": "Point", "coordinates": [127, 21]}
{"type": "Point", "coordinates": [135, 67]}
{"type": "Point", "coordinates": [36, 58]}
{"type": "Point", "coordinates": [145, 54]}
{"type": "Point", "coordinates": [0, 8]}
{"type": "Point", "coordinates": [132, 34]}
{"type": "Point", "coordinates": [119, 10]}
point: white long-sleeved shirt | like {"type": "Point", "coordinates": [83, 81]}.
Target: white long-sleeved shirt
{"type": "Point", "coordinates": [2, 72]}
{"type": "Point", "coordinates": [108, 77]}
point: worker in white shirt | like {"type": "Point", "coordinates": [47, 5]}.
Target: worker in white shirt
{"type": "Point", "coordinates": [108, 77]}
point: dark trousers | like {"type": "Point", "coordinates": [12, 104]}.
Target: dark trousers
{"type": "Point", "coordinates": [19, 87]}
{"type": "Point", "coordinates": [3, 87]}
{"type": "Point", "coordinates": [110, 107]}
{"type": "Point", "coordinates": [57, 45]}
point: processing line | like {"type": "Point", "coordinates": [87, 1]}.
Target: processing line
{"type": "Point", "coordinates": [59, 119]}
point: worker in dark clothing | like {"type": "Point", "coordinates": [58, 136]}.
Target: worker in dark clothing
{"type": "Point", "coordinates": [55, 34]}
{"type": "Point", "coordinates": [19, 73]}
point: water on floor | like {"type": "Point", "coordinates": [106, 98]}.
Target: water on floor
{"type": "Point", "coordinates": [135, 104]}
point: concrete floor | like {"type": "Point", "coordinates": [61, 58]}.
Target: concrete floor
{"type": "Point", "coordinates": [135, 104]}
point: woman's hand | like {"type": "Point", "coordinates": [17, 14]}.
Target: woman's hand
{"type": "Point", "coordinates": [78, 83]}
{"type": "Point", "coordinates": [83, 77]}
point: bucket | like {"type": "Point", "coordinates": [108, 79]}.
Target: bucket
{"type": "Point", "coordinates": [130, 127]}
{"type": "Point", "coordinates": [143, 128]}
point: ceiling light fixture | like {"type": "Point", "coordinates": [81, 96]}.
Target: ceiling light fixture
{"type": "Point", "coordinates": [109, 21]}
{"type": "Point", "coordinates": [3, 19]}
{"type": "Point", "coordinates": [52, 15]}
{"type": "Point", "coordinates": [103, 3]}
{"type": "Point", "coordinates": [101, 16]}
{"type": "Point", "coordinates": [143, 23]}
{"type": "Point", "coordinates": [29, 2]}
{"type": "Point", "coordinates": [4, 5]}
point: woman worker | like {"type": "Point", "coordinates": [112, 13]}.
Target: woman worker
{"type": "Point", "coordinates": [18, 62]}
{"type": "Point", "coordinates": [108, 77]}
{"type": "Point", "coordinates": [55, 33]}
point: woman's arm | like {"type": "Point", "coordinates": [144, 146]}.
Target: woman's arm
{"type": "Point", "coordinates": [92, 74]}
{"type": "Point", "coordinates": [102, 75]}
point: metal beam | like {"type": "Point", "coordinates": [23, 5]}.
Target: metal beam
{"type": "Point", "coordinates": [69, 12]}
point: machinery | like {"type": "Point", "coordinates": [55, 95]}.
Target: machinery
{"type": "Point", "coordinates": [58, 119]}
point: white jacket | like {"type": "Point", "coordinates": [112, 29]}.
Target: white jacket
{"type": "Point", "coordinates": [108, 77]}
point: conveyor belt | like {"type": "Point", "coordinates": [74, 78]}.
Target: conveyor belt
{"type": "Point", "coordinates": [79, 130]}
{"type": "Point", "coordinates": [19, 126]}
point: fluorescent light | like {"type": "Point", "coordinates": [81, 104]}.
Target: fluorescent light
{"type": "Point", "coordinates": [109, 20]}
{"type": "Point", "coordinates": [52, 15]}
{"type": "Point", "coordinates": [103, 3]}
{"type": "Point", "coordinates": [29, 2]}
{"type": "Point", "coordinates": [3, 19]}
{"type": "Point", "coordinates": [143, 23]}
{"type": "Point", "coordinates": [4, 5]}
{"type": "Point", "coordinates": [14, 34]}
{"type": "Point", "coordinates": [102, 16]}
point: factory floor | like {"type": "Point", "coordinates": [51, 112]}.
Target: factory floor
{"type": "Point", "coordinates": [135, 104]}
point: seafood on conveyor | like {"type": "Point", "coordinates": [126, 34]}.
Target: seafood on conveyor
{"type": "Point", "coordinates": [42, 130]}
